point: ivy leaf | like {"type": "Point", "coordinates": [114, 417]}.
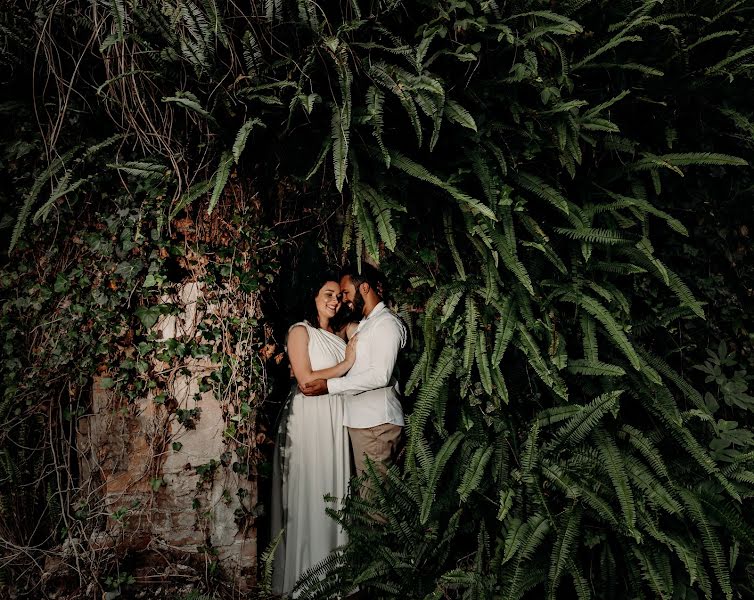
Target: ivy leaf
{"type": "Point", "coordinates": [107, 383]}
{"type": "Point", "coordinates": [61, 284]}
{"type": "Point", "coordinates": [148, 315]}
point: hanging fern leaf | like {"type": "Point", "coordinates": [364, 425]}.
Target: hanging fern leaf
{"type": "Point", "coordinates": [613, 463]}
{"type": "Point", "coordinates": [595, 368]}
{"type": "Point", "coordinates": [220, 179]}
{"type": "Point", "coordinates": [458, 114]}
{"type": "Point", "coordinates": [599, 312]}
{"type": "Point", "coordinates": [640, 442]}
{"type": "Point", "coordinates": [436, 469]}
{"type": "Point", "coordinates": [414, 169]}
{"type": "Point", "coordinates": [429, 393]}
{"type": "Point", "coordinates": [450, 238]}
{"type": "Point", "coordinates": [537, 186]}
{"type": "Point", "coordinates": [506, 327]}
{"type": "Point", "coordinates": [474, 472]}
{"type": "Point", "coordinates": [483, 362]}
{"type": "Point", "coordinates": [340, 132]}
{"type": "Point", "coordinates": [712, 544]}
{"type": "Point", "coordinates": [562, 552]}
{"type": "Point", "coordinates": [243, 135]}
{"type": "Point", "coordinates": [188, 101]}
{"type": "Point", "coordinates": [592, 235]}
{"type": "Point", "coordinates": [472, 331]}
{"type": "Point", "coordinates": [526, 343]}
{"type": "Point", "coordinates": [194, 192]}
{"type": "Point", "coordinates": [375, 108]}
{"type": "Point", "coordinates": [23, 215]}
{"type": "Point", "coordinates": [578, 427]}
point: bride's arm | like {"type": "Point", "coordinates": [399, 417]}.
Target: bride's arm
{"type": "Point", "coordinates": [298, 354]}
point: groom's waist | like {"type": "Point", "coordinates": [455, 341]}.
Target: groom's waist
{"type": "Point", "coordinates": [373, 407]}
{"type": "Point", "coordinates": [390, 391]}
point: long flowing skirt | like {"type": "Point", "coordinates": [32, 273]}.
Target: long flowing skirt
{"type": "Point", "coordinates": [311, 460]}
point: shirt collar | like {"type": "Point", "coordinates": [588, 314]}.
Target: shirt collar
{"type": "Point", "coordinates": [377, 309]}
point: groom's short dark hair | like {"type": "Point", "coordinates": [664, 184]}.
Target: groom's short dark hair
{"type": "Point", "coordinates": [368, 274]}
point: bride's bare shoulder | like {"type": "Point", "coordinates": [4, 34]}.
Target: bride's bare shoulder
{"type": "Point", "coordinates": [297, 333]}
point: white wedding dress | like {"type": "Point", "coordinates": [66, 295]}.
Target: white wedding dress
{"type": "Point", "coordinates": [311, 460]}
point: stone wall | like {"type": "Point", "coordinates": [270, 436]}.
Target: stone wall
{"type": "Point", "coordinates": [166, 484]}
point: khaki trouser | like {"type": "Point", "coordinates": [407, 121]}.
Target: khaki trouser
{"type": "Point", "coordinates": [381, 444]}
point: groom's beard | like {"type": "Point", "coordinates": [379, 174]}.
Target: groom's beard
{"type": "Point", "coordinates": [358, 305]}
{"type": "Point", "coordinates": [346, 313]}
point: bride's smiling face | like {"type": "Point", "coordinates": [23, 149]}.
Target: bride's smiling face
{"type": "Point", "coordinates": [328, 300]}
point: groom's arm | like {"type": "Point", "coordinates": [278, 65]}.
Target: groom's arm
{"type": "Point", "coordinates": [385, 341]}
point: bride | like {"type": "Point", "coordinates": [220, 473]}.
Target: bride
{"type": "Point", "coordinates": [312, 454]}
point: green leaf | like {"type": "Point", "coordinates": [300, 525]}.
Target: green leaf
{"type": "Point", "coordinates": [220, 179]}
{"type": "Point", "coordinates": [188, 101]}
{"type": "Point", "coordinates": [243, 135]}
{"type": "Point", "coordinates": [340, 134]}
{"type": "Point", "coordinates": [106, 383]}
{"type": "Point", "coordinates": [458, 114]}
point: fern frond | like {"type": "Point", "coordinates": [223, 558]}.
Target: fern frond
{"type": "Point", "coordinates": [506, 327]}
{"type": "Point", "coordinates": [533, 536]}
{"type": "Point", "coordinates": [613, 463]}
{"type": "Point", "coordinates": [528, 346]}
{"type": "Point", "coordinates": [219, 179]}
{"type": "Point", "coordinates": [450, 239]}
{"type": "Point", "coordinates": [537, 186]}
{"type": "Point", "coordinates": [474, 472]}
{"type": "Point", "coordinates": [472, 331]}
{"type": "Point", "coordinates": [458, 114]}
{"type": "Point", "coordinates": [188, 101]}
{"type": "Point", "coordinates": [640, 442]}
{"type": "Point", "coordinates": [609, 45]}
{"type": "Point", "coordinates": [669, 373]}
{"type": "Point", "coordinates": [428, 394]}
{"type": "Point", "coordinates": [578, 427]}
{"type": "Point", "coordinates": [652, 488]}
{"type": "Point", "coordinates": [243, 135]}
{"type": "Point", "coordinates": [608, 237]}
{"type": "Point", "coordinates": [712, 545]}
{"type": "Point", "coordinates": [417, 171]}
{"type": "Point", "coordinates": [381, 210]}
{"type": "Point", "coordinates": [375, 109]}
{"type": "Point", "coordinates": [562, 553]}
{"type": "Point", "coordinates": [433, 478]}
{"type": "Point", "coordinates": [599, 312]}
{"type": "Point", "coordinates": [194, 192]}
{"type": "Point", "coordinates": [595, 368]}
{"type": "Point", "coordinates": [340, 133]}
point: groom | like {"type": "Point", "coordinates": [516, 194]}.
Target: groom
{"type": "Point", "coordinates": [373, 412]}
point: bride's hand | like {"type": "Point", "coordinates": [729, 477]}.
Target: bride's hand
{"type": "Point", "coordinates": [351, 351]}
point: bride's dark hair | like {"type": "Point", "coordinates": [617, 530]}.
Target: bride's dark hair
{"type": "Point", "coordinates": [315, 283]}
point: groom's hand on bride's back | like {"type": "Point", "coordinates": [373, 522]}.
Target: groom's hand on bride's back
{"type": "Point", "coordinates": [314, 388]}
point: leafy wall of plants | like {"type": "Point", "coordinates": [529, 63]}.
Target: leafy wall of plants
{"type": "Point", "coordinates": [86, 300]}
{"type": "Point", "coordinates": [535, 178]}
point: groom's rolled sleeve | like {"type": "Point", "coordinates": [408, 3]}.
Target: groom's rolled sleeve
{"type": "Point", "coordinates": [384, 343]}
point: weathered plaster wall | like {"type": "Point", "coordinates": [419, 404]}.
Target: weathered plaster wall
{"type": "Point", "coordinates": [143, 462]}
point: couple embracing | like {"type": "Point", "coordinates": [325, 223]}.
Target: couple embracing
{"type": "Point", "coordinates": [343, 357]}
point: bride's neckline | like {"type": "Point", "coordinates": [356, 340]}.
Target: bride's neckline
{"type": "Point", "coordinates": [323, 330]}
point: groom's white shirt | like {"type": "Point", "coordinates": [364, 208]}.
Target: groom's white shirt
{"type": "Point", "coordinates": [371, 390]}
